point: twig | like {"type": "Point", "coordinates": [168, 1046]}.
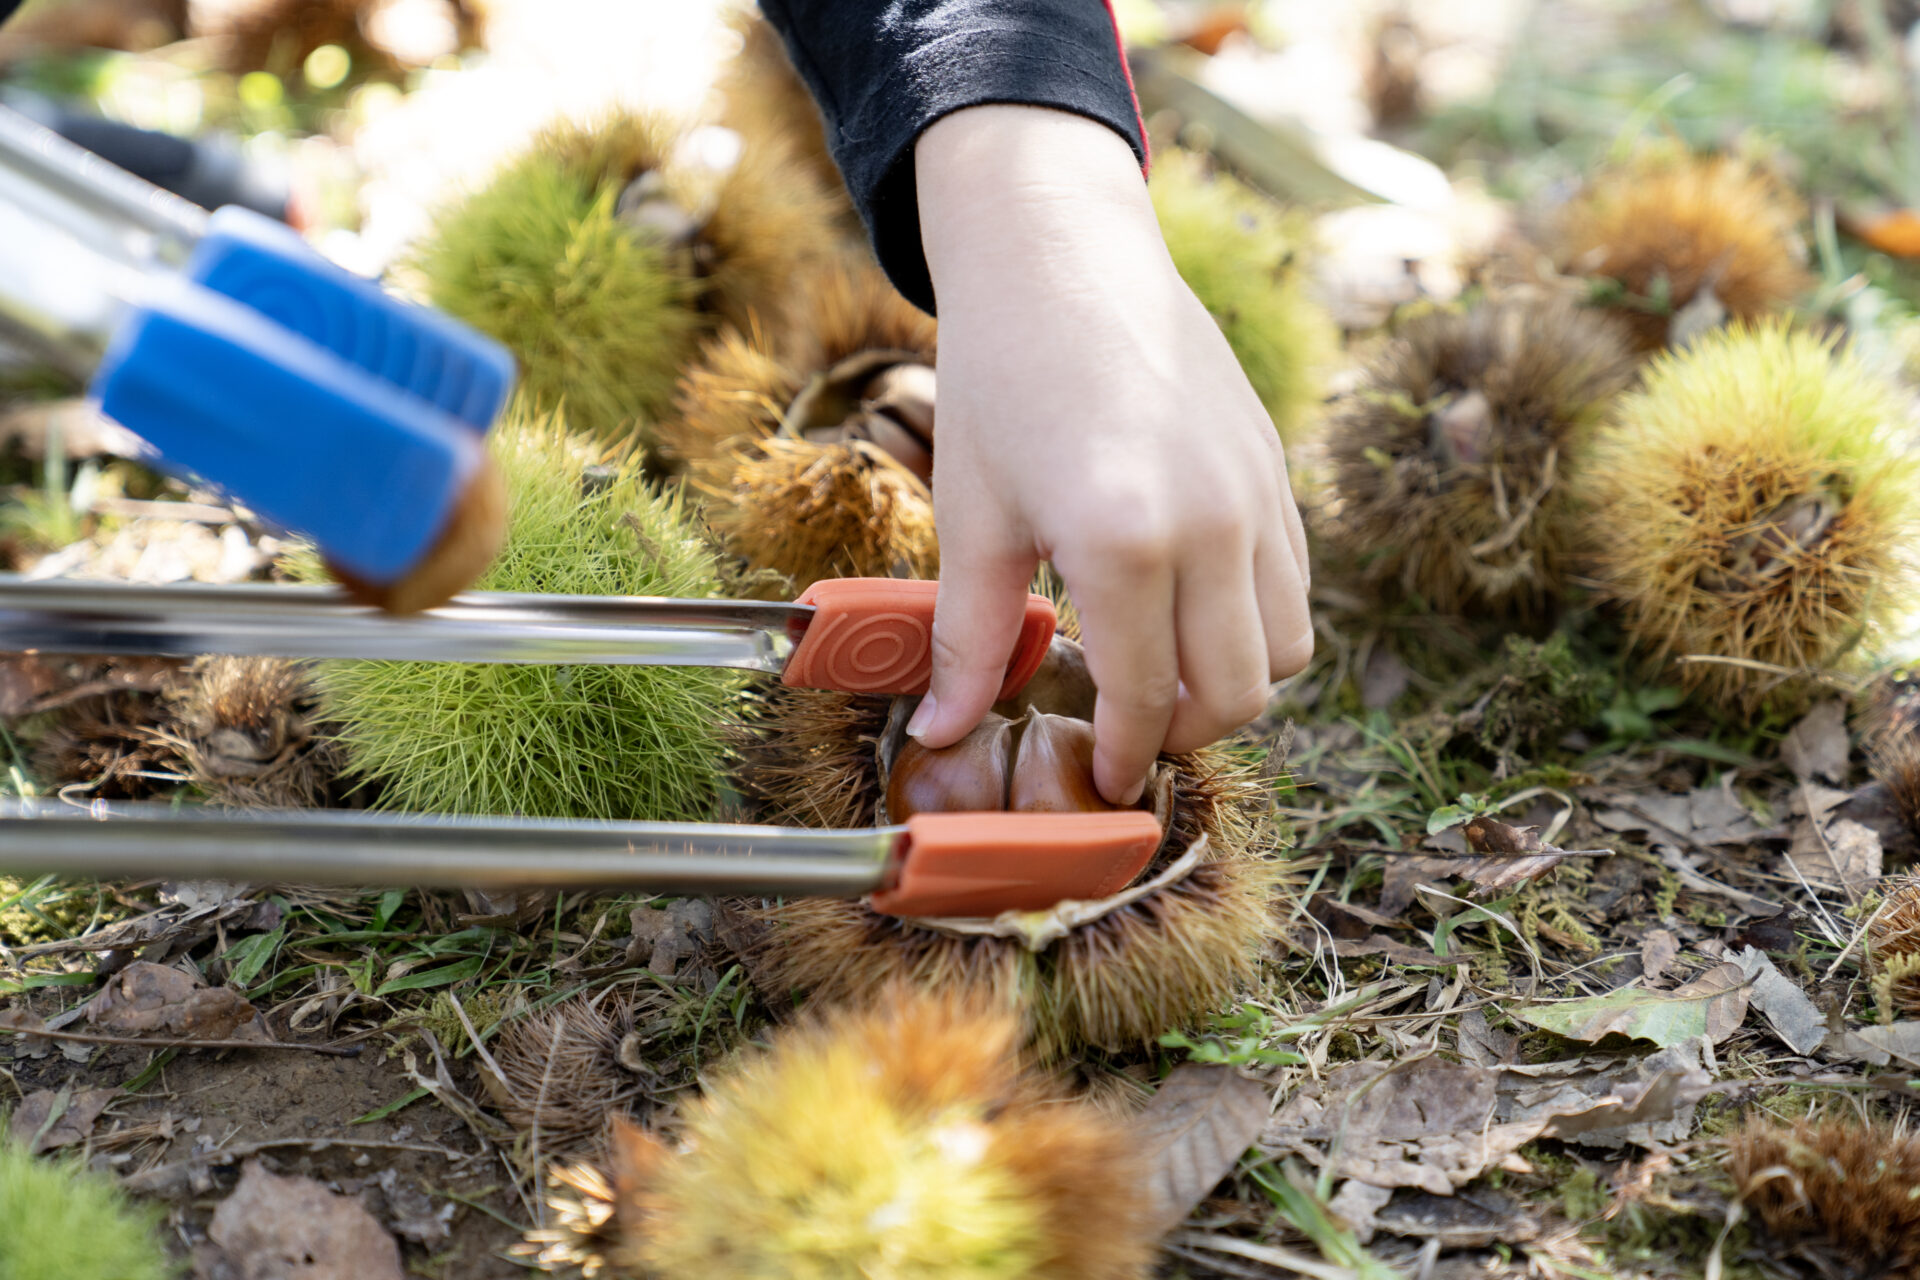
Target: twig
{"type": "Point", "coordinates": [479, 1046]}
{"type": "Point", "coordinates": [149, 1042]}
{"type": "Point", "coordinates": [191, 512]}
{"type": "Point", "coordinates": [1858, 934]}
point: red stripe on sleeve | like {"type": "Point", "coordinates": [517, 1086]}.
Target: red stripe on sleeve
{"type": "Point", "coordinates": [1120, 47]}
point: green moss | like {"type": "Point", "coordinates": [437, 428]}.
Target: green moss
{"type": "Point", "coordinates": [1544, 692]}
{"type": "Point", "coordinates": [551, 741]}
{"type": "Point", "coordinates": [1240, 254]}
{"type": "Point", "coordinates": [55, 911]}
{"type": "Point", "coordinates": [60, 1222]}
{"type": "Point", "coordinates": [1581, 1195]}
{"type": "Point", "coordinates": [600, 319]}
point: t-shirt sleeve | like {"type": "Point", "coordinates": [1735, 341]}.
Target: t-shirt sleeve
{"type": "Point", "coordinates": [884, 70]}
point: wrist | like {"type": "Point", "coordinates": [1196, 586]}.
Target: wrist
{"type": "Point", "coordinates": [1012, 195]}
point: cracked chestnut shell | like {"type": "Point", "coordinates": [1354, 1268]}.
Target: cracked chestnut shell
{"type": "Point", "coordinates": [968, 777]}
{"type": "Point", "coordinates": [1053, 767]}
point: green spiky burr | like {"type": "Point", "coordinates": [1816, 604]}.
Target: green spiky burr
{"type": "Point", "coordinates": [624, 742]}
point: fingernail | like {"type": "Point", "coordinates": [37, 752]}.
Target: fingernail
{"type": "Point", "coordinates": [922, 716]}
{"type": "Point", "coordinates": [1134, 792]}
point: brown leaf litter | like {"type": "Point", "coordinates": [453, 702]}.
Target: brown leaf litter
{"type": "Point", "coordinates": [47, 1119]}
{"type": "Point", "coordinates": [1199, 1124]}
{"type": "Point", "coordinates": [1521, 855]}
{"type": "Point", "coordinates": [275, 1228]}
{"type": "Point", "coordinates": [152, 1000]}
{"type": "Point", "coordinates": [1437, 1125]}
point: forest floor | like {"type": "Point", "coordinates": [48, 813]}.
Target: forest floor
{"type": "Point", "coordinates": [1554, 1061]}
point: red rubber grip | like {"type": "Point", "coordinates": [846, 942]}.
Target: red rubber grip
{"type": "Point", "coordinates": [980, 864]}
{"type": "Point", "coordinates": [875, 635]}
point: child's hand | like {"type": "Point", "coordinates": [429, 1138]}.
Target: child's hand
{"type": "Point", "coordinates": [1091, 414]}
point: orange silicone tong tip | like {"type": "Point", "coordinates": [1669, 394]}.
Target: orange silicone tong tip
{"type": "Point", "coordinates": [980, 864]}
{"type": "Point", "coordinates": [875, 635]}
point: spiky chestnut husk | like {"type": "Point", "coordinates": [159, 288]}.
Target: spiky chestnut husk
{"type": "Point", "coordinates": [810, 511]}
{"type": "Point", "coordinates": [599, 317]}
{"type": "Point", "coordinates": [803, 508]}
{"type": "Point", "coordinates": [1893, 941]}
{"type": "Point", "coordinates": [1665, 224]}
{"type": "Point", "coordinates": [1156, 963]}
{"type": "Point", "coordinates": [1857, 1185]}
{"type": "Point", "coordinates": [550, 741]}
{"type": "Point", "coordinates": [561, 1077]}
{"type": "Point", "coordinates": [746, 378]}
{"type": "Point", "coordinates": [904, 1140]}
{"type": "Point", "coordinates": [1451, 460]}
{"type": "Point", "coordinates": [1242, 257]}
{"type": "Point", "coordinates": [756, 227]}
{"type": "Point", "coordinates": [1753, 500]}
{"type": "Point", "coordinates": [59, 1219]}
{"type": "Point", "coordinates": [1889, 729]}
{"type": "Point", "coordinates": [602, 312]}
{"type": "Point", "coordinates": [765, 101]}
{"type": "Point", "coordinates": [108, 729]}
{"type": "Point", "coordinates": [244, 730]}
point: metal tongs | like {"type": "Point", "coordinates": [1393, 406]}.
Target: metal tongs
{"type": "Point", "coordinates": [858, 635]}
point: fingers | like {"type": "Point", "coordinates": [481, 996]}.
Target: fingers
{"type": "Point", "coordinates": [1223, 645]}
{"type": "Point", "coordinates": [1127, 628]}
{"type": "Point", "coordinates": [1280, 587]}
{"type": "Point", "coordinates": [976, 620]}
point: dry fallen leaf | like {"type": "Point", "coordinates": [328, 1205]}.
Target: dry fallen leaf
{"type": "Point", "coordinates": [1405, 876]}
{"type": "Point", "coordinates": [1522, 855]}
{"type": "Point", "coordinates": [152, 1000]}
{"type": "Point", "coordinates": [1818, 747]}
{"type": "Point", "coordinates": [1658, 950]}
{"type": "Point", "coordinates": [26, 1021]}
{"type": "Point", "coordinates": [1473, 1219]}
{"type": "Point", "coordinates": [1355, 1205]}
{"type": "Point", "coordinates": [1426, 1123]}
{"type": "Point", "coordinates": [1713, 1005]}
{"type": "Point", "coordinates": [1839, 855]}
{"type": "Point", "coordinates": [275, 1228]}
{"type": "Point", "coordinates": [1191, 1135]}
{"type": "Point", "coordinates": [45, 1120]}
{"type": "Point", "coordinates": [1610, 1100]}
{"type": "Point", "coordinates": [1879, 1046]}
{"type": "Point", "coordinates": [1784, 1004]}
{"type": "Point", "coordinates": [663, 937]}
{"type": "Point", "coordinates": [1710, 815]}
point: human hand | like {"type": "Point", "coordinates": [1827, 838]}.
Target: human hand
{"type": "Point", "coordinates": [1091, 414]}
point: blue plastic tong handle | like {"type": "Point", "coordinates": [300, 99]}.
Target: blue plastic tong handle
{"type": "Point", "coordinates": [308, 393]}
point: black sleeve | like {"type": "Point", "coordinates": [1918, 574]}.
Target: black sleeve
{"type": "Point", "coordinates": [883, 70]}
{"type": "Point", "coordinates": [7, 7]}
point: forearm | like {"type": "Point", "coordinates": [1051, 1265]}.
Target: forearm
{"type": "Point", "coordinates": [1028, 201]}
{"type": "Point", "coordinates": [885, 71]}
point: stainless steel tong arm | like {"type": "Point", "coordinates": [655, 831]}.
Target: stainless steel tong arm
{"type": "Point", "coordinates": [263, 619]}
{"type": "Point", "coordinates": [107, 841]}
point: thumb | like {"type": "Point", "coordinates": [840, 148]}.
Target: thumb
{"type": "Point", "coordinates": [976, 621]}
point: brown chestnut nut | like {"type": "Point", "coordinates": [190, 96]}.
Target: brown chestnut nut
{"type": "Point", "coordinates": [968, 777]}
{"type": "Point", "coordinates": [1053, 768]}
{"type": "Point", "coordinates": [904, 392]}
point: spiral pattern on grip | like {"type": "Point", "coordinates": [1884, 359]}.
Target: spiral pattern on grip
{"type": "Point", "coordinates": [879, 653]}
